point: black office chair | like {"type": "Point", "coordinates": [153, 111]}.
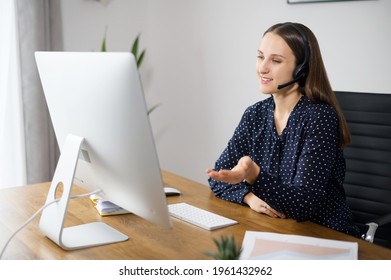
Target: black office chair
{"type": "Point", "coordinates": [368, 162]}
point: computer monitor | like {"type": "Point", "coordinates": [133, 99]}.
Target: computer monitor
{"type": "Point", "coordinates": [97, 107]}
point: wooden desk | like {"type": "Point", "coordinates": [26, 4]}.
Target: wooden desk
{"type": "Point", "coordinates": [147, 241]}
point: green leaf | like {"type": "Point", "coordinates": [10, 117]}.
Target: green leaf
{"type": "Point", "coordinates": [103, 46]}
{"type": "Point", "coordinates": [226, 249]}
{"type": "Point", "coordinates": [135, 47]}
{"type": "Point", "coordinates": [140, 59]}
{"type": "Point", "coordinates": [153, 108]}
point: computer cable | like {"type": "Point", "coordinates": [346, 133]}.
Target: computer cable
{"type": "Point", "coordinates": [36, 214]}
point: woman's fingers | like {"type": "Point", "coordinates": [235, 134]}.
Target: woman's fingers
{"type": "Point", "coordinates": [271, 212]}
{"type": "Point", "coordinates": [228, 176]}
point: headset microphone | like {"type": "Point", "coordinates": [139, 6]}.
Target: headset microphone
{"type": "Point", "coordinates": [289, 83]}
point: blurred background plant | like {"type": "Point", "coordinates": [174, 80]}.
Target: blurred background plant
{"type": "Point", "coordinates": [138, 55]}
{"type": "Point", "coordinates": [226, 249]}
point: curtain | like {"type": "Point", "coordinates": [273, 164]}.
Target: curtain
{"type": "Point", "coordinates": [28, 149]}
{"type": "Point", "coordinates": [12, 154]}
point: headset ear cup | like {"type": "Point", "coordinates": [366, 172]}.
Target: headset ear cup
{"type": "Point", "coordinates": [297, 72]}
{"type": "Point", "coordinates": [300, 71]}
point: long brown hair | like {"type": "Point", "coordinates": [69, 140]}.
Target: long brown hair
{"type": "Point", "coordinates": [315, 85]}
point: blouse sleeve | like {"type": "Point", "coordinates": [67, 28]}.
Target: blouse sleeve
{"type": "Point", "coordinates": [237, 148]}
{"type": "Point", "coordinates": [298, 200]}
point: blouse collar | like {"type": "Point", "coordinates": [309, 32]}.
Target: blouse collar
{"type": "Point", "coordinates": [299, 107]}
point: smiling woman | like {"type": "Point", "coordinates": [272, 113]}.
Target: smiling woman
{"type": "Point", "coordinates": [285, 158]}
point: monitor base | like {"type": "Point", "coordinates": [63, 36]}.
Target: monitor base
{"type": "Point", "coordinates": [53, 216]}
{"type": "Point", "coordinates": [90, 235]}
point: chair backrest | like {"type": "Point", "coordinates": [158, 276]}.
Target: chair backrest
{"type": "Point", "coordinates": [368, 158]}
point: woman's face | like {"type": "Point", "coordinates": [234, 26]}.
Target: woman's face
{"type": "Point", "coordinates": [275, 64]}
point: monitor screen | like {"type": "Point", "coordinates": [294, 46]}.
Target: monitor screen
{"type": "Point", "coordinates": [97, 97]}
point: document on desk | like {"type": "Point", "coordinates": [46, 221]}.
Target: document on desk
{"type": "Point", "coordinates": [274, 246]}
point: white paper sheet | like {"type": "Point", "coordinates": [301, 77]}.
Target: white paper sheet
{"type": "Point", "coordinates": [274, 246]}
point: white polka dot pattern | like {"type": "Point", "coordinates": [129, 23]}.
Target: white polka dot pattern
{"type": "Point", "coordinates": [302, 170]}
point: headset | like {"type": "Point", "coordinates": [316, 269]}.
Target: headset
{"type": "Point", "coordinates": [301, 70]}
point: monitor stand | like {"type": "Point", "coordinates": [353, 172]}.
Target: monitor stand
{"type": "Point", "coordinates": [53, 217]}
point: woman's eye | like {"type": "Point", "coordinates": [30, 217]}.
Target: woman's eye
{"type": "Point", "coordinates": [276, 61]}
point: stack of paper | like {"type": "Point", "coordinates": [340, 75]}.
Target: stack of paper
{"type": "Point", "coordinates": [274, 246]}
{"type": "Point", "coordinates": [105, 207]}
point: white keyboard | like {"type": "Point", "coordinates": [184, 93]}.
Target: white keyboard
{"type": "Point", "coordinates": [198, 216]}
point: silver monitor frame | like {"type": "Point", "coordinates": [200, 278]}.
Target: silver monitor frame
{"type": "Point", "coordinates": [97, 106]}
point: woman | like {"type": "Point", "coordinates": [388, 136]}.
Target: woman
{"type": "Point", "coordinates": [285, 158]}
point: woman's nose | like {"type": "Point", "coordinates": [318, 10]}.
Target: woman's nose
{"type": "Point", "coordinates": [262, 67]}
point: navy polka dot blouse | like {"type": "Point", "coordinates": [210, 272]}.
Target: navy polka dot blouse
{"type": "Point", "coordinates": [302, 170]}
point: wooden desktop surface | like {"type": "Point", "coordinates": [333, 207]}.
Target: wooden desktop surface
{"type": "Point", "coordinates": [148, 241]}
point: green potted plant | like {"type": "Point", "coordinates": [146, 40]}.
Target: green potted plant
{"type": "Point", "coordinates": [226, 249]}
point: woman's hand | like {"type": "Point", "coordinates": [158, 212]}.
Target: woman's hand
{"type": "Point", "coordinates": [246, 169]}
{"type": "Point", "coordinates": [260, 206]}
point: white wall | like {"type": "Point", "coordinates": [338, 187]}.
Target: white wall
{"type": "Point", "coordinates": [200, 60]}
